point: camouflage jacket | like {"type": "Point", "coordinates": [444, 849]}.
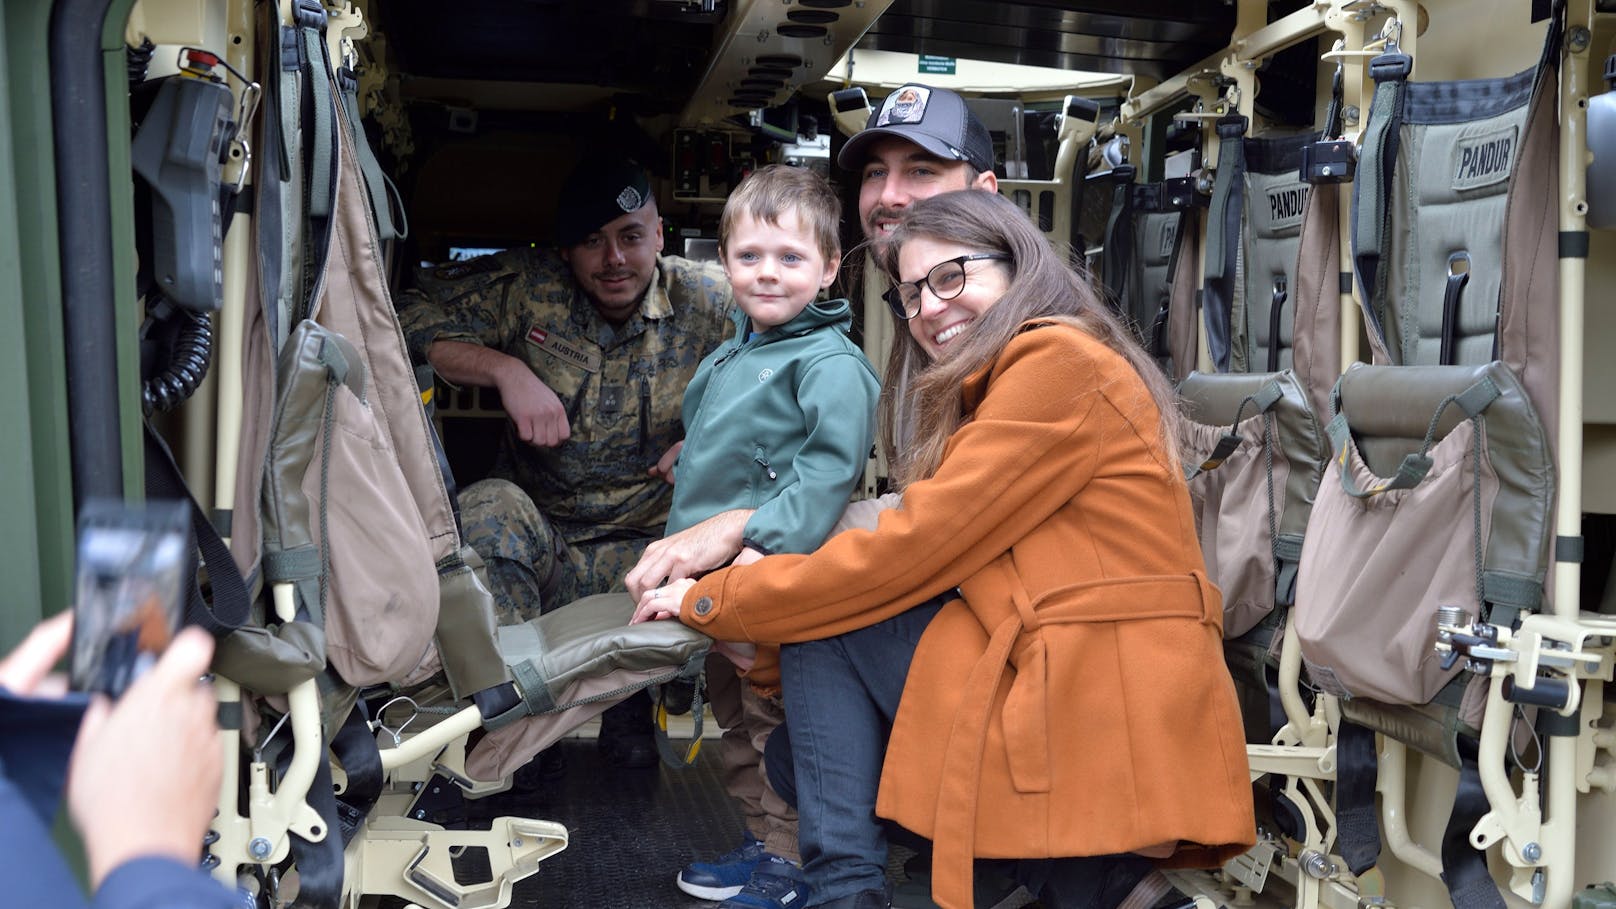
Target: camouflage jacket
{"type": "Point", "coordinates": [622, 385]}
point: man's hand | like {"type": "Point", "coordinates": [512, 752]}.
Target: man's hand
{"type": "Point", "coordinates": [144, 777]}
{"type": "Point", "coordinates": [661, 602]}
{"type": "Point", "coordinates": [664, 466]}
{"type": "Point", "coordinates": [535, 410]}
{"type": "Point", "coordinates": [706, 546]}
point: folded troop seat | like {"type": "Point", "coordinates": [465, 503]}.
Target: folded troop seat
{"type": "Point", "coordinates": [1440, 492]}
{"type": "Point", "coordinates": [344, 529]}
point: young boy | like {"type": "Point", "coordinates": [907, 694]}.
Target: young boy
{"type": "Point", "coordinates": [779, 419]}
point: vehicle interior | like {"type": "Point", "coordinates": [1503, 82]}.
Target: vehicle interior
{"type": "Point", "coordinates": [1365, 238]}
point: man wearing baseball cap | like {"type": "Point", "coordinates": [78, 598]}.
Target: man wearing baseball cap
{"type": "Point", "coordinates": [920, 142]}
{"type": "Point", "coordinates": [590, 344]}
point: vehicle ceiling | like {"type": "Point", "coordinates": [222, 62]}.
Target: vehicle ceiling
{"type": "Point", "coordinates": [652, 54]}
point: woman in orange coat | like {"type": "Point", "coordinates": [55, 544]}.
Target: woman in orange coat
{"type": "Point", "coordinates": [1034, 623]}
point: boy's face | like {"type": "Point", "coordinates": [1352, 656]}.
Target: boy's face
{"type": "Point", "coordinates": [776, 270]}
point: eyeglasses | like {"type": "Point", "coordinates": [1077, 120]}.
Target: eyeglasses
{"type": "Point", "coordinates": [946, 281]}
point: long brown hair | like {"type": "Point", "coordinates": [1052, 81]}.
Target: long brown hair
{"type": "Point", "coordinates": [921, 404]}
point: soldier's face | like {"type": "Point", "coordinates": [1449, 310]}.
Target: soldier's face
{"type": "Point", "coordinates": [899, 173]}
{"type": "Point", "coordinates": [615, 265]}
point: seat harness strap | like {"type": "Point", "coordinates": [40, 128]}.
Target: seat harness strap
{"type": "Point", "coordinates": [1223, 239]}
{"type": "Point", "coordinates": [1371, 221]}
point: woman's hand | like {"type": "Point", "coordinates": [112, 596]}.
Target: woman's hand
{"type": "Point", "coordinates": [706, 546]}
{"type": "Point", "coordinates": [661, 602]}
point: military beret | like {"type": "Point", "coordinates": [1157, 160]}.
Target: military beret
{"type": "Point", "coordinates": [598, 191]}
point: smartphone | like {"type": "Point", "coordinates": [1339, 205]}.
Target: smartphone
{"type": "Point", "coordinates": [129, 590]}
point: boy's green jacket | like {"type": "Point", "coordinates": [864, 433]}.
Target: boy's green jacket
{"type": "Point", "coordinates": [782, 423]}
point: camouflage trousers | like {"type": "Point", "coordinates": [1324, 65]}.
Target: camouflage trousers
{"type": "Point", "coordinates": [534, 565]}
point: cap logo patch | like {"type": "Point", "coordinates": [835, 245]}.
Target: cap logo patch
{"type": "Point", "coordinates": [630, 199]}
{"type": "Point", "coordinates": [906, 105]}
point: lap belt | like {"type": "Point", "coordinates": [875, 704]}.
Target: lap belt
{"type": "Point", "coordinates": [319, 864]}
{"type": "Point", "coordinates": [355, 748]}
{"type": "Point", "coordinates": [1357, 824]}
{"type": "Point", "coordinates": [1464, 868]}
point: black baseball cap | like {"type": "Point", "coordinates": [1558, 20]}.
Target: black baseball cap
{"type": "Point", "coordinates": [935, 119]}
{"type": "Point", "coordinates": [598, 191]}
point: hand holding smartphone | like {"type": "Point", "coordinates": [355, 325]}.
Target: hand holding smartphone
{"type": "Point", "coordinates": [128, 595]}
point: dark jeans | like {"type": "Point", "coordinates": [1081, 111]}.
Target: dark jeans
{"type": "Point", "coordinates": [841, 695]}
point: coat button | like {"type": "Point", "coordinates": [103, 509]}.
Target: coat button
{"type": "Point", "coordinates": [704, 605]}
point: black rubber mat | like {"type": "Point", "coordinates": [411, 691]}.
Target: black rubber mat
{"type": "Point", "coordinates": [631, 831]}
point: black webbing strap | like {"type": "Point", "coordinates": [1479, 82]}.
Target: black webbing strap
{"type": "Point", "coordinates": [1377, 162]}
{"type": "Point", "coordinates": [319, 864]}
{"type": "Point", "coordinates": [1357, 824]}
{"type": "Point", "coordinates": [1276, 310]}
{"type": "Point", "coordinates": [303, 46]}
{"type": "Point", "coordinates": [1116, 259]}
{"type": "Point", "coordinates": [355, 748]}
{"type": "Point", "coordinates": [268, 187]}
{"type": "Point", "coordinates": [1452, 292]}
{"type": "Point", "coordinates": [1223, 238]}
{"type": "Point", "coordinates": [1334, 119]}
{"type": "Point", "coordinates": [1464, 868]}
{"type": "Point", "coordinates": [390, 225]}
{"type": "Point", "coordinates": [231, 605]}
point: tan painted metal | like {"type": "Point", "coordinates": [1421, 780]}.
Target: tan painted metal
{"type": "Point", "coordinates": [1392, 785]}
{"type": "Point", "coordinates": [515, 847]}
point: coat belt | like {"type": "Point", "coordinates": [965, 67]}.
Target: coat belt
{"type": "Point", "coordinates": [1015, 642]}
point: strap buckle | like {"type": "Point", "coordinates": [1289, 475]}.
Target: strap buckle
{"type": "Point", "coordinates": [308, 14]}
{"type": "Point", "coordinates": [1392, 66]}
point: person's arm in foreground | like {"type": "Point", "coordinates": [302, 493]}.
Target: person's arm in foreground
{"type": "Point", "coordinates": [143, 780]}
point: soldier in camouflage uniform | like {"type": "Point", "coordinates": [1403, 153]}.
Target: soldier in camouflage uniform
{"type": "Point", "coordinates": [590, 349]}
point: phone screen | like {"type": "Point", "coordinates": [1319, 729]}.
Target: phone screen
{"type": "Point", "coordinates": [127, 599]}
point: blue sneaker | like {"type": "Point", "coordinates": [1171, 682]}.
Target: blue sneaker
{"type": "Point", "coordinates": [775, 884]}
{"type": "Point", "coordinates": [723, 877]}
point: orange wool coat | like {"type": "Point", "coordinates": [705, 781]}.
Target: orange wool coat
{"type": "Point", "coordinates": [1075, 701]}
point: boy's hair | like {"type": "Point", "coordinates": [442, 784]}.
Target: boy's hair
{"type": "Point", "coordinates": [778, 188]}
